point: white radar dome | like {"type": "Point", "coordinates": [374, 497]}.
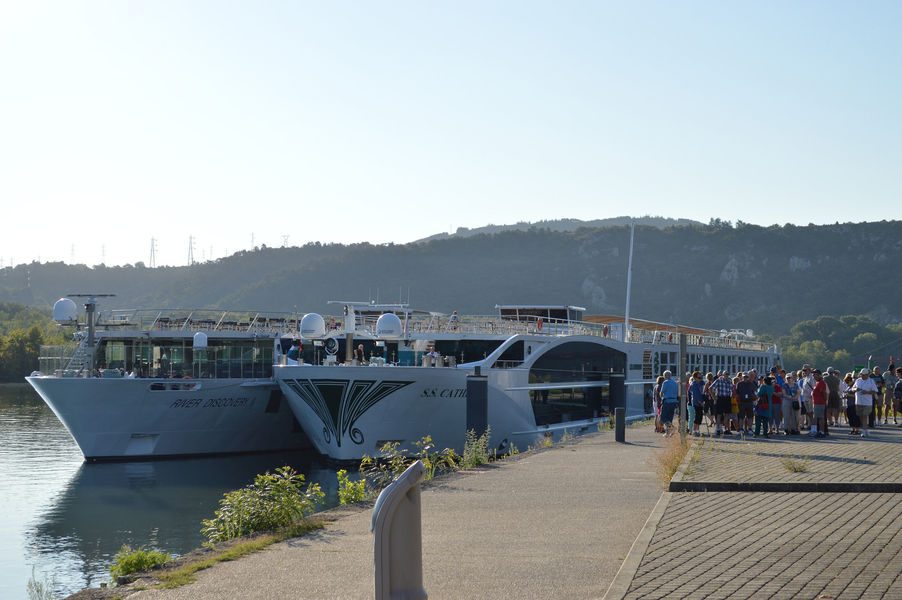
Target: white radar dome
{"type": "Point", "coordinates": [65, 311]}
{"type": "Point", "coordinates": [313, 326]}
{"type": "Point", "coordinates": [388, 326]}
{"type": "Point", "coordinates": [200, 341]}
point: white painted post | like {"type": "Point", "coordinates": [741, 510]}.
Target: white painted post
{"type": "Point", "coordinates": [398, 538]}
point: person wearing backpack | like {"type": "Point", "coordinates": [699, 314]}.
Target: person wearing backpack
{"type": "Point", "coordinates": [762, 407]}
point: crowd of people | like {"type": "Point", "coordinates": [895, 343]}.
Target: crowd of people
{"type": "Point", "coordinates": [781, 401]}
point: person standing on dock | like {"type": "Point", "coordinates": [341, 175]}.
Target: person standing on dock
{"type": "Point", "coordinates": [697, 397]}
{"type": "Point", "coordinates": [762, 408]}
{"type": "Point", "coordinates": [897, 394]}
{"type": "Point", "coordinates": [877, 412]}
{"type": "Point", "coordinates": [889, 404]}
{"type": "Point", "coordinates": [834, 400]}
{"type": "Point", "coordinates": [723, 391]}
{"type": "Point", "coordinates": [865, 391]}
{"type": "Point", "coordinates": [746, 389]}
{"type": "Point", "coordinates": [670, 398]}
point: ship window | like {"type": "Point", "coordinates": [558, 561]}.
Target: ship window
{"type": "Point", "coordinates": [570, 363]}
{"type": "Point", "coordinates": [511, 357]}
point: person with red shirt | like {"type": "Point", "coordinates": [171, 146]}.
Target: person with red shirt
{"type": "Point", "coordinates": [819, 403]}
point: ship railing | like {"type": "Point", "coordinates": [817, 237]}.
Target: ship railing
{"type": "Point", "coordinates": [207, 320]}
{"type": "Point", "coordinates": [489, 325]}
{"type": "Point", "coordinates": [654, 337]}
{"type": "Point", "coordinates": [53, 359]}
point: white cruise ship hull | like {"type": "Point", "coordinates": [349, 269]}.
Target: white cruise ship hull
{"type": "Point", "coordinates": [151, 418]}
{"type": "Point", "coordinates": [351, 411]}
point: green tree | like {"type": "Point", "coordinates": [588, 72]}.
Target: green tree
{"type": "Point", "coordinates": [19, 353]}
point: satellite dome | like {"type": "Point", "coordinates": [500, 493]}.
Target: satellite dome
{"type": "Point", "coordinates": [313, 326]}
{"type": "Point", "coordinates": [65, 311]}
{"type": "Point", "coordinates": [200, 341]}
{"type": "Point", "coordinates": [388, 326]}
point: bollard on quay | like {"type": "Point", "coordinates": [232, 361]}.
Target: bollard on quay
{"type": "Point", "coordinates": [398, 538]}
{"type": "Point", "coordinates": [620, 424]}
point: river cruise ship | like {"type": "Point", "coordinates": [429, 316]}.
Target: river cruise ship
{"type": "Point", "coordinates": [161, 383]}
{"type": "Point", "coordinates": [378, 374]}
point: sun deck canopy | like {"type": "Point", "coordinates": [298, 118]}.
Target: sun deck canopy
{"type": "Point", "coordinates": [531, 312]}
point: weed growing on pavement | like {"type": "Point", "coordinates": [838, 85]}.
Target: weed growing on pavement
{"type": "Point", "coordinates": [567, 437]}
{"type": "Point", "coordinates": [670, 456]}
{"type": "Point", "coordinates": [476, 449]}
{"type": "Point", "coordinates": [795, 465]}
{"type": "Point", "coordinates": [435, 462]}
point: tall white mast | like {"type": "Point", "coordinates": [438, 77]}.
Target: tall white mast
{"type": "Point", "coordinates": [629, 284]}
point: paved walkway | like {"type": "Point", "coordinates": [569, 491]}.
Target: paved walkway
{"type": "Point", "coordinates": [836, 458]}
{"type": "Point", "coordinates": [555, 524]}
{"type": "Point", "coordinates": [776, 545]}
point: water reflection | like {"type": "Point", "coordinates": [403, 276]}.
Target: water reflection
{"type": "Point", "coordinates": [155, 503]}
{"type": "Point", "coordinates": [68, 518]}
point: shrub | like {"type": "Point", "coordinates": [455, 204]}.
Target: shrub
{"type": "Point", "coordinates": [435, 462]}
{"type": "Point", "coordinates": [273, 501]}
{"type": "Point", "coordinates": [476, 449]}
{"type": "Point", "coordinates": [382, 470]}
{"type": "Point", "coordinates": [128, 561]}
{"type": "Point", "coordinates": [350, 491]}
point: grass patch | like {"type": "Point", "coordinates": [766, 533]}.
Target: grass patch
{"type": "Point", "coordinates": [669, 457]}
{"type": "Point", "coordinates": [186, 573]}
{"type": "Point", "coordinates": [128, 561]}
{"type": "Point", "coordinates": [795, 465]}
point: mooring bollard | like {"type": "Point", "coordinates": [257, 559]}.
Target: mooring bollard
{"type": "Point", "coordinates": [398, 538]}
{"type": "Point", "coordinates": [620, 424]}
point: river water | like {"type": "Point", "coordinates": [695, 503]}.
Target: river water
{"type": "Point", "coordinates": [62, 520]}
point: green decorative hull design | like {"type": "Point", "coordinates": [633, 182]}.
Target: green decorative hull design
{"type": "Point", "coordinates": [340, 403]}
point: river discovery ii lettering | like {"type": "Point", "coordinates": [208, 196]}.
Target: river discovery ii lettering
{"type": "Point", "coordinates": [444, 393]}
{"type": "Point", "coordinates": [212, 402]}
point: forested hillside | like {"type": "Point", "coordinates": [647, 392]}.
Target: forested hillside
{"type": "Point", "coordinates": [717, 275]}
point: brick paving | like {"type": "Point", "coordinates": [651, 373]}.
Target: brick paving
{"type": "Point", "coordinates": [761, 545]}
{"type": "Point", "coordinates": [736, 544]}
{"type": "Point", "coordinates": [836, 458]}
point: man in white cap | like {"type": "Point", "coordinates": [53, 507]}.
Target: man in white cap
{"type": "Point", "coordinates": [865, 392]}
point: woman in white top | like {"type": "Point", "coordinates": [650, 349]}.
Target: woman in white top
{"type": "Point", "coordinates": [865, 391]}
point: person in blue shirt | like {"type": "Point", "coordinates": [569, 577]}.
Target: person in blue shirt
{"type": "Point", "coordinates": [670, 399]}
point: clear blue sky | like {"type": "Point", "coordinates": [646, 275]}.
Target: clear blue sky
{"type": "Point", "coordinates": [360, 121]}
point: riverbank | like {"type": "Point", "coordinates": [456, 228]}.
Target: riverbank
{"type": "Point", "coordinates": [550, 524]}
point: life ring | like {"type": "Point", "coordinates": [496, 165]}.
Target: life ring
{"type": "Point", "coordinates": [539, 324]}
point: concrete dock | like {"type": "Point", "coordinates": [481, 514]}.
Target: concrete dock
{"type": "Point", "coordinates": [555, 524]}
{"type": "Point", "coordinates": [590, 520]}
